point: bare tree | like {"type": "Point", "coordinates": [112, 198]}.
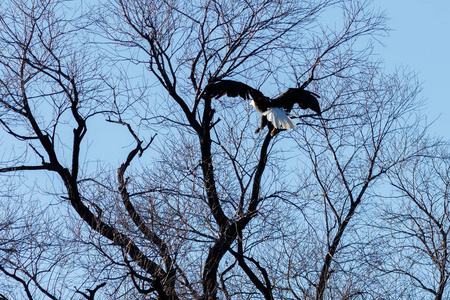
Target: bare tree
{"type": "Point", "coordinates": [346, 159]}
{"type": "Point", "coordinates": [195, 206]}
{"type": "Point", "coordinates": [419, 222]}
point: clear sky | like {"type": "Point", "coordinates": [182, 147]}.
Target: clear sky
{"type": "Point", "coordinates": [420, 40]}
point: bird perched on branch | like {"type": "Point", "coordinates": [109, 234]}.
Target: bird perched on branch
{"type": "Point", "coordinates": [274, 110]}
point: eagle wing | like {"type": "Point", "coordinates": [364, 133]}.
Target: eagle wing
{"type": "Point", "coordinates": [233, 88]}
{"type": "Point", "coordinates": [304, 98]}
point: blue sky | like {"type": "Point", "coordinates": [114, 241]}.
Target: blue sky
{"type": "Point", "coordinates": [420, 40]}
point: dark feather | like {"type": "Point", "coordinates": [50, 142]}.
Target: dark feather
{"type": "Point", "coordinates": [305, 99]}
{"type": "Point", "coordinates": [233, 88]}
{"type": "Point", "coordinates": [227, 87]}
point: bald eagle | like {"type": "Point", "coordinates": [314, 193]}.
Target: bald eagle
{"type": "Point", "coordinates": [274, 110]}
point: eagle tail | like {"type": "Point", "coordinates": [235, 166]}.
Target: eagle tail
{"type": "Point", "coordinates": [278, 118]}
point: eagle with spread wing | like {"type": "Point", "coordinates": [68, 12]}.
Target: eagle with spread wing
{"type": "Point", "coordinates": [274, 110]}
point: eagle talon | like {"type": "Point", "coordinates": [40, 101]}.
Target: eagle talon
{"type": "Point", "coordinates": [273, 132]}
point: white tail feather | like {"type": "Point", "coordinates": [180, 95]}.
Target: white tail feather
{"type": "Point", "coordinates": [278, 118]}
